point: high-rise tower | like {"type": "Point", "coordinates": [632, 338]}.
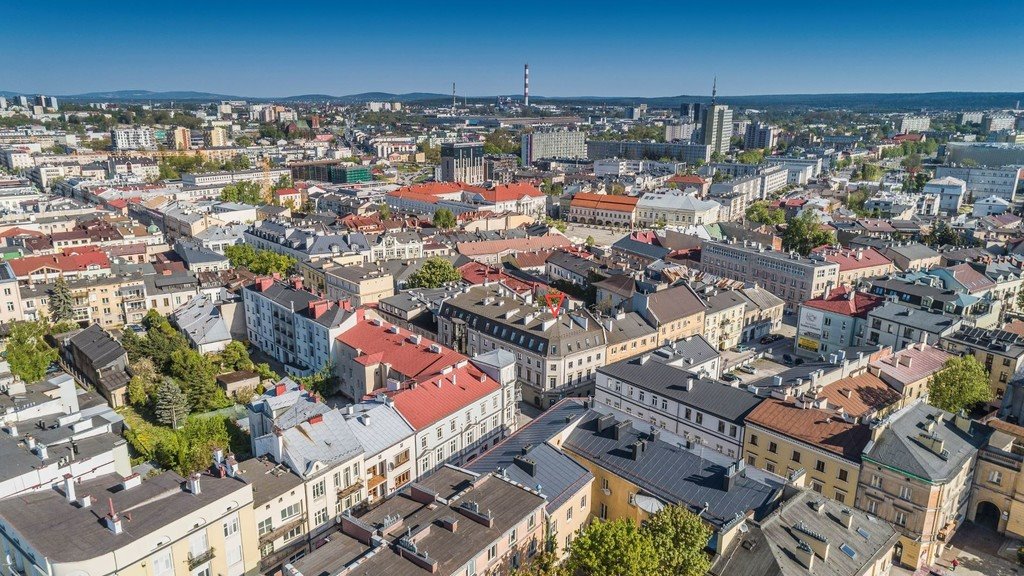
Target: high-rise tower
{"type": "Point", "coordinates": [526, 86]}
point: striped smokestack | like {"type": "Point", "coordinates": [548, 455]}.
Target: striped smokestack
{"type": "Point", "coordinates": [526, 85]}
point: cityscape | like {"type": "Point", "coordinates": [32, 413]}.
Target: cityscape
{"type": "Point", "coordinates": [462, 307]}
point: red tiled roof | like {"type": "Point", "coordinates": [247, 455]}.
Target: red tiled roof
{"type": "Point", "coordinates": [820, 428]}
{"type": "Point", "coordinates": [397, 349]}
{"type": "Point", "coordinates": [688, 179]}
{"type": "Point", "coordinates": [531, 244]}
{"type": "Point", "coordinates": [914, 363]}
{"type": "Point", "coordinates": [853, 259]}
{"type": "Point", "coordinates": [286, 192]}
{"type": "Point", "coordinates": [604, 202]}
{"type": "Point", "coordinates": [970, 278]}
{"type": "Point", "coordinates": [839, 301]}
{"type": "Point", "coordinates": [860, 395]}
{"type": "Point", "coordinates": [16, 231]}
{"type": "Point", "coordinates": [476, 273]}
{"type": "Point", "coordinates": [436, 397]}
{"type": "Point", "coordinates": [70, 260]}
{"type": "Point", "coordinates": [506, 192]}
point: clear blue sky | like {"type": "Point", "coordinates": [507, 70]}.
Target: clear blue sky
{"type": "Point", "coordinates": [590, 48]}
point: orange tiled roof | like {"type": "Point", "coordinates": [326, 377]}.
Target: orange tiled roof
{"type": "Point", "coordinates": [604, 202]}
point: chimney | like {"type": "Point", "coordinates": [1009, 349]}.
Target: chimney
{"type": "Point", "coordinates": [846, 518]}
{"type": "Point", "coordinates": [129, 482]}
{"type": "Point", "coordinates": [527, 465]}
{"type": "Point", "coordinates": [41, 451]}
{"type": "Point", "coordinates": [689, 384]}
{"type": "Point", "coordinates": [318, 308]}
{"type": "Point", "coordinates": [69, 488]}
{"type": "Point", "coordinates": [636, 450]}
{"type": "Point", "coordinates": [193, 484]}
{"type": "Point", "coordinates": [962, 421]}
{"type": "Point", "coordinates": [30, 442]}
{"type": "Point", "coordinates": [218, 456]}
{"type": "Point", "coordinates": [231, 465]}
{"type": "Point", "coordinates": [804, 555]}
{"type": "Point", "coordinates": [280, 389]}
{"type": "Point", "coordinates": [734, 471]}
{"type": "Point", "coordinates": [112, 520]}
{"type": "Point", "coordinates": [263, 283]}
{"type": "Point", "coordinates": [12, 429]}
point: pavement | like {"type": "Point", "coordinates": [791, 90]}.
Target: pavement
{"type": "Point", "coordinates": [603, 235]}
{"type": "Point", "coordinates": [981, 551]}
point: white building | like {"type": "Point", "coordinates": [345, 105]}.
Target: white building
{"type": "Point", "coordinates": [991, 206]}
{"type": "Point", "coordinates": [675, 208]}
{"type": "Point", "coordinates": [910, 123]}
{"type": "Point", "coordinates": [951, 192]}
{"type": "Point", "coordinates": [134, 138]}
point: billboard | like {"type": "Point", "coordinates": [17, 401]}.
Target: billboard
{"type": "Point", "coordinates": [810, 321]}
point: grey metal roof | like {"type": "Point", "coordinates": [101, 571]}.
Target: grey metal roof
{"type": "Point", "coordinates": [706, 395]}
{"type": "Point", "coordinates": [558, 475]}
{"type": "Point", "coordinates": [671, 474]}
{"type": "Point", "coordinates": [641, 248]}
{"type": "Point", "coordinates": [900, 445]}
{"type": "Point", "coordinates": [97, 345]}
{"type": "Point", "coordinates": [384, 428]}
{"type": "Point", "coordinates": [201, 321]}
{"type": "Point", "coordinates": [914, 317]}
{"type": "Point", "coordinates": [628, 326]}
{"type": "Point", "coordinates": [329, 441]}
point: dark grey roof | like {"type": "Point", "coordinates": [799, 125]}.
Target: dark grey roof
{"type": "Point", "coordinates": [706, 395]}
{"type": "Point", "coordinates": [558, 475]}
{"type": "Point", "coordinates": [628, 326]}
{"type": "Point", "coordinates": [641, 248]}
{"type": "Point", "coordinates": [672, 304]}
{"type": "Point", "coordinates": [914, 317]}
{"type": "Point", "coordinates": [901, 445]}
{"type": "Point", "coordinates": [912, 251]}
{"type": "Point", "coordinates": [1001, 341]}
{"type": "Point", "coordinates": [572, 263]}
{"type": "Point", "coordinates": [269, 480]}
{"type": "Point", "coordinates": [671, 474]}
{"type": "Point", "coordinates": [98, 346]}
{"type": "Point", "coordinates": [193, 254]}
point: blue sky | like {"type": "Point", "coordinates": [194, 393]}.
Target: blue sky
{"type": "Point", "coordinates": [582, 48]}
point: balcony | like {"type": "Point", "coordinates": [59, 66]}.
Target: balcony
{"type": "Point", "coordinates": [196, 560]}
{"type": "Point", "coordinates": [282, 530]}
{"type": "Point", "coordinates": [350, 489]}
{"type": "Point", "coordinates": [375, 481]}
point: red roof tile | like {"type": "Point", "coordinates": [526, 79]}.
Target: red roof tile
{"type": "Point", "coordinates": [70, 260]}
{"type": "Point", "coordinates": [820, 428]}
{"type": "Point", "coordinates": [436, 397]}
{"type": "Point", "coordinates": [853, 259]}
{"type": "Point", "coordinates": [604, 202]}
{"type": "Point", "coordinates": [840, 301]}
{"type": "Point", "coordinates": [389, 344]}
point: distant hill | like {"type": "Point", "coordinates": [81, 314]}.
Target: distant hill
{"type": "Point", "coordinates": [859, 102]}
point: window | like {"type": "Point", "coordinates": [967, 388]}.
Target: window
{"type": "Point", "coordinates": [604, 483]}
{"type": "Point", "coordinates": [264, 526]}
{"type": "Point", "coordinates": [512, 537]}
{"type": "Point", "coordinates": [901, 518]}
{"type": "Point", "coordinates": [234, 554]}
{"type": "Point", "coordinates": [905, 493]}
{"type": "Point", "coordinates": [819, 465]}
{"type": "Point", "coordinates": [843, 475]}
{"type": "Point", "coordinates": [770, 466]}
{"type": "Point", "coordinates": [319, 489]}
{"type": "Point", "coordinates": [293, 533]}
{"type": "Point", "coordinates": [753, 437]}
{"type": "Point", "coordinates": [817, 486]}
{"type": "Point", "coordinates": [700, 418]}
{"type": "Point", "coordinates": [796, 456]}
{"type": "Point", "coordinates": [751, 460]}
{"type": "Point", "coordinates": [440, 433]}
{"type": "Point", "coordinates": [198, 544]}
{"type": "Point", "coordinates": [995, 477]}
{"type": "Point", "coordinates": [231, 526]}
{"type": "Point", "coordinates": [492, 552]}
{"type": "Point", "coordinates": [320, 517]}
{"type": "Point", "coordinates": [291, 511]}
{"type": "Point", "coordinates": [773, 447]}
{"type": "Point", "coordinates": [840, 496]}
{"type": "Point", "coordinates": [568, 514]}
{"type": "Point", "coordinates": [266, 550]}
{"type": "Point", "coordinates": [876, 481]}
{"type": "Point", "coordinates": [872, 507]}
{"type": "Point", "coordinates": [163, 564]}
{"type": "Point", "coordinates": [531, 522]}
{"type": "Point", "coordinates": [583, 502]}
{"type": "Point", "coordinates": [603, 511]}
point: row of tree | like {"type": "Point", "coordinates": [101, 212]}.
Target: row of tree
{"type": "Point", "coordinates": [259, 261]}
{"type": "Point", "coordinates": [172, 167]}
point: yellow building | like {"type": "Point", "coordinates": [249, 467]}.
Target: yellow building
{"type": "Point", "coordinates": [1001, 352]}
{"type": "Point", "coordinates": [164, 525]}
{"type": "Point", "coordinates": [676, 312]}
{"type": "Point", "coordinates": [628, 335]}
{"type": "Point", "coordinates": [997, 491]}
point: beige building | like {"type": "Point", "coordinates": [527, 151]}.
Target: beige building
{"type": "Point", "coordinates": [997, 492]}
{"type": "Point", "coordinates": [917, 475]}
{"type": "Point", "coordinates": [359, 284]}
{"type": "Point", "coordinates": [1000, 351]}
{"type": "Point", "coordinates": [676, 313]}
{"type": "Point", "coordinates": [164, 525]}
{"type": "Point", "coordinates": [723, 318]}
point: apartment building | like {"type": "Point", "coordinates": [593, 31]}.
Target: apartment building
{"type": "Point", "coordinates": [909, 371]}
{"type": "Point", "coordinates": [676, 312]}
{"type": "Point", "coordinates": [628, 335]}
{"type": "Point", "coordinates": [789, 276]}
{"type": "Point", "coordinates": [998, 485]}
{"type": "Point", "coordinates": [1000, 351]}
{"type": "Point", "coordinates": [553, 143]}
{"type": "Point", "coordinates": [855, 265]}
{"type": "Point", "coordinates": [359, 285]}
{"type": "Point", "coordinates": [453, 523]}
{"type": "Point", "coordinates": [917, 475]}
{"type": "Point", "coordinates": [133, 138]}
{"type": "Point", "coordinates": [898, 326]}
{"type": "Point", "coordinates": [555, 356]}
{"type": "Point", "coordinates": [983, 182]}
{"type": "Point", "coordinates": [832, 322]}
{"type": "Point", "coordinates": [759, 136]}
{"type": "Point", "coordinates": [294, 326]}
{"type": "Point", "coordinates": [266, 177]}
{"type": "Point", "coordinates": [637, 150]}
{"type": "Point", "coordinates": [669, 207]}
{"type": "Point", "coordinates": [163, 524]}
{"type": "Point", "coordinates": [723, 317]}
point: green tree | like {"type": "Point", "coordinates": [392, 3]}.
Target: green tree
{"type": "Point", "coordinates": [28, 352]}
{"type": "Point", "coordinates": [1020, 300]}
{"type": "Point", "coordinates": [615, 548]}
{"type": "Point", "coordinates": [750, 156]}
{"type": "Point", "coordinates": [761, 213]}
{"type": "Point", "coordinates": [590, 241]}
{"type": "Point", "coordinates": [62, 305]}
{"type": "Point", "coordinates": [384, 211]}
{"type": "Point", "coordinates": [444, 219]}
{"type": "Point", "coordinates": [943, 234]}
{"type": "Point", "coordinates": [259, 261]}
{"type": "Point", "coordinates": [171, 404]}
{"type": "Point", "coordinates": [804, 233]}
{"type": "Point", "coordinates": [962, 383]}
{"type": "Point", "coordinates": [235, 356]}
{"type": "Point", "coordinates": [137, 395]}
{"type": "Point", "coordinates": [680, 538]}
{"type": "Point", "coordinates": [285, 181]}
{"type": "Point", "coordinates": [197, 376]}
{"type": "Point", "coordinates": [246, 192]}
{"type": "Point", "coordinates": [434, 272]}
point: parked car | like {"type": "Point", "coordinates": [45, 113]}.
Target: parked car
{"type": "Point", "coordinates": [743, 347]}
{"type": "Point", "coordinates": [770, 338]}
{"type": "Point", "coordinates": [727, 377]}
{"type": "Point", "coordinates": [748, 369]}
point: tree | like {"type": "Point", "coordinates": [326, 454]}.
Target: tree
{"type": "Point", "coordinates": [962, 383]}
{"type": "Point", "coordinates": [750, 156]}
{"type": "Point", "coordinates": [259, 261]}
{"type": "Point", "coordinates": [435, 272]}
{"type": "Point", "coordinates": [615, 548]}
{"type": "Point", "coordinates": [235, 356]}
{"type": "Point", "coordinates": [171, 404]}
{"type": "Point", "coordinates": [246, 192]}
{"type": "Point", "coordinates": [384, 211]}
{"type": "Point", "coordinates": [944, 234]}
{"type": "Point", "coordinates": [590, 241]}
{"type": "Point", "coordinates": [1020, 300]}
{"type": "Point", "coordinates": [62, 305]}
{"type": "Point", "coordinates": [444, 219]}
{"type": "Point", "coordinates": [197, 376]}
{"type": "Point", "coordinates": [680, 538]}
{"type": "Point", "coordinates": [804, 233]}
{"type": "Point", "coordinates": [137, 392]}
{"type": "Point", "coordinates": [761, 213]}
{"type": "Point", "coordinates": [28, 352]}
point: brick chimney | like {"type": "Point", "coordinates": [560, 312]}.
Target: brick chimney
{"type": "Point", "coordinates": [263, 283]}
{"type": "Point", "coordinates": [296, 283]}
{"type": "Point", "coordinates": [318, 308]}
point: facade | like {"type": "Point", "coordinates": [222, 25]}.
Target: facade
{"type": "Point", "coordinates": [983, 182]}
{"type": "Point", "coordinates": [294, 326]}
{"type": "Point", "coordinates": [462, 162]}
{"type": "Point", "coordinates": [636, 150]}
{"type": "Point", "coordinates": [717, 128]}
{"type": "Point", "coordinates": [855, 265]}
{"type": "Point", "coordinates": [917, 475]}
{"type": "Point", "coordinates": [898, 326]}
{"type": "Point", "coordinates": [134, 138]}
{"type": "Point", "coordinates": [164, 524]}
{"type": "Point", "coordinates": [997, 491]}
{"type": "Point", "coordinates": [909, 123]}
{"type": "Point", "coordinates": [553, 144]}
{"type": "Point", "coordinates": [1000, 351]}
{"type": "Point", "coordinates": [759, 136]}
{"type": "Point", "coordinates": [833, 322]}
{"type": "Point", "coordinates": [603, 209]}
{"type": "Point", "coordinates": [360, 285]}
{"type": "Point", "coordinates": [675, 208]}
{"type": "Point", "coordinates": [676, 312]}
{"type": "Point", "coordinates": [555, 356]}
{"type": "Point", "coordinates": [791, 277]}
{"type": "Point", "coordinates": [952, 193]}
{"type": "Point", "coordinates": [99, 361]}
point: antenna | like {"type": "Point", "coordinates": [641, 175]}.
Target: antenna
{"type": "Point", "coordinates": [714, 90]}
{"type": "Point", "coordinates": [453, 97]}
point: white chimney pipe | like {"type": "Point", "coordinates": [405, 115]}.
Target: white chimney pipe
{"type": "Point", "coordinates": [193, 484]}
{"type": "Point", "coordinates": [69, 488]}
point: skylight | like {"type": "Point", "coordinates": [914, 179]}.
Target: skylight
{"type": "Point", "coordinates": [848, 551]}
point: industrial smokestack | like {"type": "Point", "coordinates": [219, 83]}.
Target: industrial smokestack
{"type": "Point", "coordinates": [526, 85]}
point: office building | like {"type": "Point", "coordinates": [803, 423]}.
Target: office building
{"type": "Point", "coordinates": [997, 122]}
{"type": "Point", "coordinates": [462, 162]}
{"type": "Point", "coordinates": [553, 143]}
{"type": "Point", "coordinates": [636, 150]}
{"type": "Point", "coordinates": [984, 182]}
{"type": "Point", "coordinates": [717, 128]}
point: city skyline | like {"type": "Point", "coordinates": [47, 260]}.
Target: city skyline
{"type": "Point", "coordinates": [665, 50]}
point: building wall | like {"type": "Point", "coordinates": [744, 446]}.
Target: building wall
{"type": "Point", "coordinates": [837, 478]}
